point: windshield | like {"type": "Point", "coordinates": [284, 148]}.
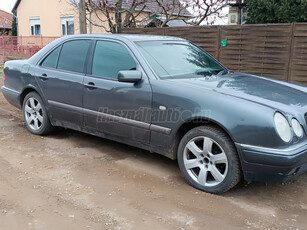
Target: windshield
{"type": "Point", "coordinates": [172, 59]}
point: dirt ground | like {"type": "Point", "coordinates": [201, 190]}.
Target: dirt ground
{"type": "Point", "coordinates": [71, 180]}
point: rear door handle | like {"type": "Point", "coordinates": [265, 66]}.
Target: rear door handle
{"type": "Point", "coordinates": [91, 85]}
{"type": "Point", "coordinates": [44, 77]}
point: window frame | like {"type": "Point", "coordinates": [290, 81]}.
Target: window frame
{"type": "Point", "coordinates": [64, 20]}
{"type": "Point", "coordinates": [86, 64]}
{"type": "Point", "coordinates": [91, 59]}
{"type": "Point", "coordinates": [47, 55]}
{"type": "Point", "coordinates": [35, 21]}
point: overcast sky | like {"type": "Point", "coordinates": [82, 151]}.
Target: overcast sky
{"type": "Point", "coordinates": [7, 5]}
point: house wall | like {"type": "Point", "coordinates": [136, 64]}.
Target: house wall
{"type": "Point", "coordinates": [99, 20]}
{"type": "Point", "coordinates": [50, 12]}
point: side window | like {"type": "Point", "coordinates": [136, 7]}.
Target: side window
{"type": "Point", "coordinates": [110, 58]}
{"type": "Point", "coordinates": [51, 60]}
{"type": "Point", "coordinates": [73, 55]}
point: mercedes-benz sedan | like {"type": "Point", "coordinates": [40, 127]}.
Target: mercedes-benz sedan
{"type": "Point", "coordinates": [168, 96]}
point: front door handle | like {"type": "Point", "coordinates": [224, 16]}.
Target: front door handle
{"type": "Point", "coordinates": [91, 85]}
{"type": "Point", "coordinates": [44, 77]}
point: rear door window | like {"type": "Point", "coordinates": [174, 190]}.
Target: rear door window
{"type": "Point", "coordinates": [51, 60]}
{"type": "Point", "coordinates": [73, 55]}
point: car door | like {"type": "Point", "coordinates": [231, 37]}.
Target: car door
{"type": "Point", "coordinates": [118, 110]}
{"type": "Point", "coordinates": [60, 78]}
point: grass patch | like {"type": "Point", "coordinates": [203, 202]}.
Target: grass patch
{"type": "Point", "coordinates": [1, 69]}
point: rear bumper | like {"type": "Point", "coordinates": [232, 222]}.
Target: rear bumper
{"type": "Point", "coordinates": [12, 96]}
{"type": "Point", "coordinates": [272, 165]}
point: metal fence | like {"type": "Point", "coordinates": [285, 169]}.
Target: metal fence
{"type": "Point", "coordinates": [274, 50]}
{"type": "Point", "coordinates": [24, 47]}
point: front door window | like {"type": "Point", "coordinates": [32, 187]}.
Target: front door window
{"type": "Point", "coordinates": [110, 58]}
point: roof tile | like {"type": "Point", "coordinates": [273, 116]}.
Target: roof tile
{"type": "Point", "coordinates": [153, 7]}
{"type": "Point", "coordinates": [6, 19]}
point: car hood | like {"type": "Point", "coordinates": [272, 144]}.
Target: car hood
{"type": "Point", "coordinates": [261, 90]}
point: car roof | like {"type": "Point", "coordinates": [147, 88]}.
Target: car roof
{"type": "Point", "coordinates": [122, 37]}
{"type": "Point", "coordinates": [131, 37]}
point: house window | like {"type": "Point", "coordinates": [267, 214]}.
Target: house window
{"type": "Point", "coordinates": [233, 18]}
{"type": "Point", "coordinates": [35, 24]}
{"type": "Point", "coordinates": [68, 27]}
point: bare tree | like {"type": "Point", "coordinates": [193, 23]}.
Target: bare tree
{"type": "Point", "coordinates": [207, 11]}
{"type": "Point", "coordinates": [170, 10]}
{"type": "Point", "coordinates": [113, 15]}
{"type": "Point", "coordinates": [117, 14]}
{"type": "Point", "coordinates": [82, 17]}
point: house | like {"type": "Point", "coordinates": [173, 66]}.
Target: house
{"type": "Point", "coordinates": [61, 17]}
{"type": "Point", "coordinates": [237, 13]}
{"type": "Point", "coordinates": [6, 21]}
{"type": "Point", "coordinates": [158, 21]}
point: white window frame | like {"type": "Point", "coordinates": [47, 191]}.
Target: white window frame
{"type": "Point", "coordinates": [34, 22]}
{"type": "Point", "coordinates": [64, 20]}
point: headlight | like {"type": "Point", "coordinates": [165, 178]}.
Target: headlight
{"type": "Point", "coordinates": [297, 128]}
{"type": "Point", "coordinates": [282, 127]}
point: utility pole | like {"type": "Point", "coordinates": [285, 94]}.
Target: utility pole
{"type": "Point", "coordinates": [82, 17]}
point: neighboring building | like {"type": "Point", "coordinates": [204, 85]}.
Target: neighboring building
{"type": "Point", "coordinates": [158, 21]}
{"type": "Point", "coordinates": [233, 16]}
{"type": "Point", "coordinates": [61, 17]}
{"type": "Point", "coordinates": [6, 21]}
{"type": "Point", "coordinates": [237, 13]}
{"type": "Point", "coordinates": [45, 17]}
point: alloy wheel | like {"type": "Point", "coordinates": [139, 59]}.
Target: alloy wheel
{"type": "Point", "coordinates": [205, 161]}
{"type": "Point", "coordinates": [34, 113]}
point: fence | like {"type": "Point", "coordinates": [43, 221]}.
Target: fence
{"type": "Point", "coordinates": [274, 50]}
{"type": "Point", "coordinates": [22, 46]}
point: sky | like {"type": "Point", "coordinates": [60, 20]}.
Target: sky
{"type": "Point", "coordinates": [7, 5]}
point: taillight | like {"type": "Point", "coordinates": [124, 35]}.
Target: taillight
{"type": "Point", "coordinates": [4, 78]}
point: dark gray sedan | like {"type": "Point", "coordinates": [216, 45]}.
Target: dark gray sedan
{"type": "Point", "coordinates": [166, 95]}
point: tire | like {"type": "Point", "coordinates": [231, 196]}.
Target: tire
{"type": "Point", "coordinates": [35, 115]}
{"type": "Point", "coordinates": [208, 160]}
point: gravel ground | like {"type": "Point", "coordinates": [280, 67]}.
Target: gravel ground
{"type": "Point", "coordinates": [71, 180]}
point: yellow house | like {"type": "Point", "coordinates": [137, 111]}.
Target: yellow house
{"type": "Point", "coordinates": [48, 18]}
{"type": "Point", "coordinates": [61, 17]}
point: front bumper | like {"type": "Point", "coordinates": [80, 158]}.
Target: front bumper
{"type": "Point", "coordinates": [272, 165]}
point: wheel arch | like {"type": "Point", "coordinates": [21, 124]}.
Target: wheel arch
{"type": "Point", "coordinates": [193, 123]}
{"type": "Point", "coordinates": [28, 90]}
{"type": "Point", "coordinates": [25, 92]}
{"type": "Point", "coordinates": [232, 172]}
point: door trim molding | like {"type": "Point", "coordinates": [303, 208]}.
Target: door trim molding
{"type": "Point", "coordinates": [112, 118]}
{"type": "Point", "coordinates": [65, 106]}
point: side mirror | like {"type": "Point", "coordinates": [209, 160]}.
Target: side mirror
{"type": "Point", "coordinates": [132, 76]}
